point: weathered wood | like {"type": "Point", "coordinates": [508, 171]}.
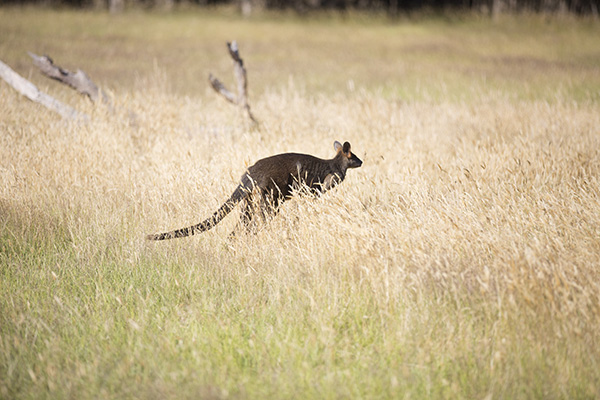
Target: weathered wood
{"type": "Point", "coordinates": [220, 88]}
{"type": "Point", "coordinates": [77, 80]}
{"type": "Point", "coordinates": [242, 82]}
{"type": "Point", "coordinates": [31, 91]}
{"type": "Point", "coordinates": [241, 77]}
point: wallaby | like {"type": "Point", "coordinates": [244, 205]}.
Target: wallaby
{"type": "Point", "coordinates": [271, 181]}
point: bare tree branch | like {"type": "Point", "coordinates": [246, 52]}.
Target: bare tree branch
{"type": "Point", "coordinates": [220, 88]}
{"type": "Point", "coordinates": [241, 78]}
{"type": "Point", "coordinates": [242, 82]}
{"type": "Point", "coordinates": [31, 91]}
{"type": "Point", "coordinates": [77, 80]}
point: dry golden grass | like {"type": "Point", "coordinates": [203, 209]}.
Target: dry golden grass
{"type": "Point", "coordinates": [461, 260]}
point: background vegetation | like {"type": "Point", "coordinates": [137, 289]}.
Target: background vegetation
{"type": "Point", "coordinates": [392, 8]}
{"type": "Point", "coordinates": [461, 260]}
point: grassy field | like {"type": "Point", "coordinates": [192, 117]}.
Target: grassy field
{"type": "Point", "coordinates": [461, 260]}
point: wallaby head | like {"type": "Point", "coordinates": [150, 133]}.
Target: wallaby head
{"type": "Point", "coordinates": [353, 161]}
{"type": "Point", "coordinates": [271, 181]}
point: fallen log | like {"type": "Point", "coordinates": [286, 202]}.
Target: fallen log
{"type": "Point", "coordinates": [77, 80]}
{"type": "Point", "coordinates": [31, 91]}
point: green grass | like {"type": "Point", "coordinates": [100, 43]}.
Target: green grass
{"type": "Point", "coordinates": [527, 57]}
{"type": "Point", "coordinates": [460, 261]}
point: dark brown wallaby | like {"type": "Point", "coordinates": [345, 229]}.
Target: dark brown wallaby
{"type": "Point", "coordinates": [271, 181]}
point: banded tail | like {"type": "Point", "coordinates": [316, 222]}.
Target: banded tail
{"type": "Point", "coordinates": [238, 195]}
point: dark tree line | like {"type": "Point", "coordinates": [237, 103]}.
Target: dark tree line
{"type": "Point", "coordinates": [392, 7]}
{"type": "Point", "coordinates": [396, 6]}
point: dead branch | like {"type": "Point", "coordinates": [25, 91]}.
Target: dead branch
{"type": "Point", "coordinates": [220, 88]}
{"type": "Point", "coordinates": [77, 80]}
{"type": "Point", "coordinates": [242, 82]}
{"type": "Point", "coordinates": [31, 91]}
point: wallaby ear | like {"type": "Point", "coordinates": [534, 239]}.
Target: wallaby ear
{"type": "Point", "coordinates": [346, 148]}
{"type": "Point", "coordinates": [337, 146]}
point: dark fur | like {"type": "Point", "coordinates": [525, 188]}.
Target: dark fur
{"type": "Point", "coordinates": [271, 181]}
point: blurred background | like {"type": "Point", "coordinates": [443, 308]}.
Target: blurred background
{"type": "Point", "coordinates": [390, 7]}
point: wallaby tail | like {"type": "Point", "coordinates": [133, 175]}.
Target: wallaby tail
{"type": "Point", "coordinates": [239, 194]}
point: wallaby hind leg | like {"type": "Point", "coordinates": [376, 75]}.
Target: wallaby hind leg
{"type": "Point", "coordinates": [249, 208]}
{"type": "Point", "coordinates": [262, 208]}
{"type": "Point", "coordinates": [255, 211]}
{"type": "Point", "coordinates": [245, 221]}
{"type": "Point", "coordinates": [269, 206]}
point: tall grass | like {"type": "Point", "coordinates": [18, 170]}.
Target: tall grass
{"type": "Point", "coordinates": [461, 260]}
